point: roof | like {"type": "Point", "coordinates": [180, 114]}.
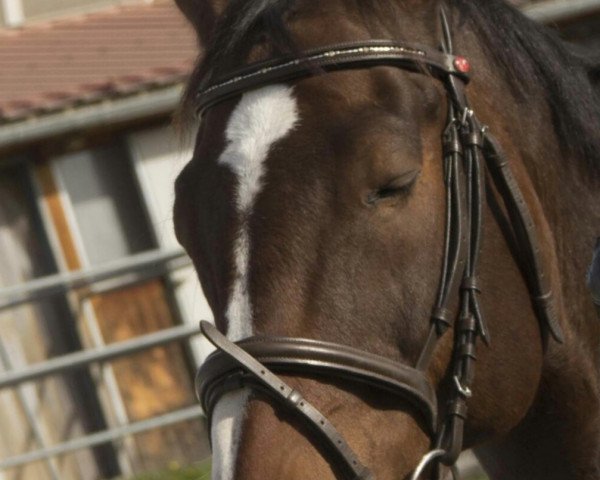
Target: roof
{"type": "Point", "coordinates": [120, 51]}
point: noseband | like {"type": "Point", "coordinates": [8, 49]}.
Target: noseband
{"type": "Point", "coordinates": [468, 150]}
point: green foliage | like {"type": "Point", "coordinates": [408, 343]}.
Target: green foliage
{"type": "Point", "coordinates": [199, 471]}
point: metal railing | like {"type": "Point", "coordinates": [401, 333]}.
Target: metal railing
{"type": "Point", "coordinates": [121, 273]}
{"type": "Point", "coordinates": [105, 436]}
{"type": "Point", "coordinates": [112, 275]}
{"type": "Point", "coordinates": [73, 361]}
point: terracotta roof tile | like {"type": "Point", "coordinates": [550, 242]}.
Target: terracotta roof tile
{"type": "Point", "coordinates": [88, 58]}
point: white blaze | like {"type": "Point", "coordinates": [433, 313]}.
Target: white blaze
{"type": "Point", "coordinates": [261, 118]}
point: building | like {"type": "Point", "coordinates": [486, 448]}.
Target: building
{"type": "Point", "coordinates": [87, 161]}
{"type": "Point", "coordinates": [88, 158]}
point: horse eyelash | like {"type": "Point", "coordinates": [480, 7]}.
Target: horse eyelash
{"type": "Point", "coordinates": [388, 192]}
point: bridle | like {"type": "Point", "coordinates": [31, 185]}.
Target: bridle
{"type": "Point", "coordinates": [468, 148]}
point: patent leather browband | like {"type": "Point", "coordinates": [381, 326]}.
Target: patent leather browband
{"type": "Point", "coordinates": [343, 56]}
{"type": "Point", "coordinates": [469, 150]}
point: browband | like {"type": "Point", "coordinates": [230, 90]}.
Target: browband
{"type": "Point", "coordinates": [342, 56]}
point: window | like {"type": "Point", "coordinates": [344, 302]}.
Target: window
{"type": "Point", "coordinates": [105, 203]}
{"type": "Point", "coordinates": [76, 214]}
{"type": "Point", "coordinates": [107, 221]}
{"type": "Point", "coordinates": [42, 8]}
{"type": "Point", "coordinates": [158, 157]}
{"type": "Point", "coordinates": [56, 408]}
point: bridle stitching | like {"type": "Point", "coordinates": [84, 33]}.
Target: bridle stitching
{"type": "Point", "coordinates": [310, 59]}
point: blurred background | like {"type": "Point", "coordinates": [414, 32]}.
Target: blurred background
{"type": "Point", "coordinates": [98, 304]}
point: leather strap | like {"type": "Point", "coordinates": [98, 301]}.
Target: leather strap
{"type": "Point", "coordinates": [328, 360]}
{"type": "Point", "coordinates": [342, 56]}
{"type": "Point", "coordinates": [278, 389]}
{"type": "Point", "coordinates": [525, 231]}
{"type": "Point", "coordinates": [454, 239]}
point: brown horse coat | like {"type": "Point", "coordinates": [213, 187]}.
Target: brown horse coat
{"type": "Point", "coordinates": [316, 210]}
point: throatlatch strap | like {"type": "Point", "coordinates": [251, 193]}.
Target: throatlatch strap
{"type": "Point", "coordinates": [525, 231]}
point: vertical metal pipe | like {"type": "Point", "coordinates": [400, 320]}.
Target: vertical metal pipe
{"type": "Point", "coordinates": [29, 414]}
{"type": "Point", "coordinates": [14, 15]}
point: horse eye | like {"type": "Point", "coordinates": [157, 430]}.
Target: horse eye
{"type": "Point", "coordinates": [395, 187]}
{"type": "Point", "coordinates": [387, 192]}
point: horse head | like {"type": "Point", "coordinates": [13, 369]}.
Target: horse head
{"type": "Point", "coordinates": [338, 206]}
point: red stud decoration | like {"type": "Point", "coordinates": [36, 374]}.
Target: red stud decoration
{"type": "Point", "coordinates": [462, 65]}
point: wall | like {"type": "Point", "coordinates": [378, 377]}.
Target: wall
{"type": "Point", "coordinates": [34, 10]}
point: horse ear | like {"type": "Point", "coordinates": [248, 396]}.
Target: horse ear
{"type": "Point", "coordinates": [203, 15]}
{"type": "Point", "coordinates": [589, 61]}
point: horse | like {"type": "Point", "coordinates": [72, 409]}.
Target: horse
{"type": "Point", "coordinates": [349, 155]}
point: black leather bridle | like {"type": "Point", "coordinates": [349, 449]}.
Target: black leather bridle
{"type": "Point", "coordinates": [468, 150]}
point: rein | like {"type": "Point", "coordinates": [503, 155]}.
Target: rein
{"type": "Point", "coordinates": [468, 150]}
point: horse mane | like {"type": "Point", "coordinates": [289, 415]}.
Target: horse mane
{"type": "Point", "coordinates": [532, 55]}
{"type": "Point", "coordinates": [524, 48]}
{"type": "Point", "coordinates": [241, 20]}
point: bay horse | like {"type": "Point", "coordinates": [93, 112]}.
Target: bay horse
{"type": "Point", "coordinates": [339, 171]}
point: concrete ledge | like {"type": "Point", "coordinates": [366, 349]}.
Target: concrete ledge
{"type": "Point", "coordinates": [142, 105]}
{"type": "Point", "coordinates": [165, 100]}
{"type": "Point", "coordinates": [554, 11]}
